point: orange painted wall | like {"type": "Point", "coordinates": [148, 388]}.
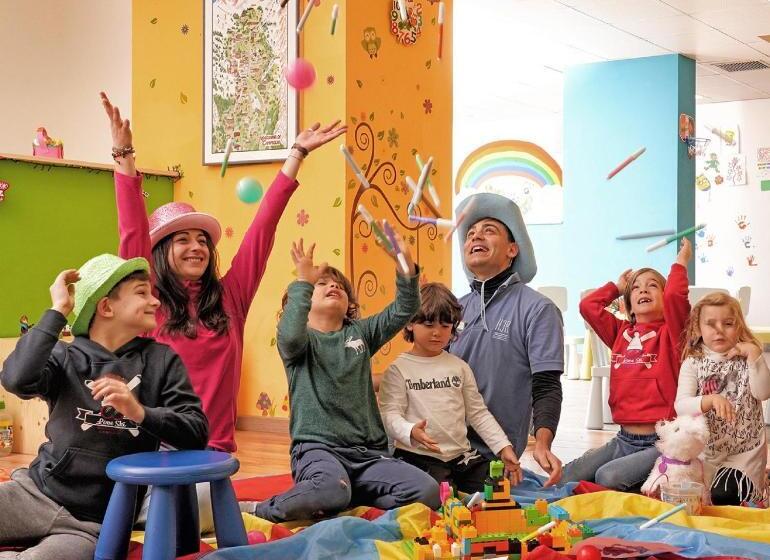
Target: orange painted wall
{"type": "Point", "coordinates": [399, 101]}
{"type": "Point", "coordinates": [167, 97]}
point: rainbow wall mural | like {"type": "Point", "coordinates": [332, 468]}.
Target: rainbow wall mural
{"type": "Point", "coordinates": [520, 170]}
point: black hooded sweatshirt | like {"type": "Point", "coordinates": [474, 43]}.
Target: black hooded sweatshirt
{"type": "Point", "coordinates": [70, 467]}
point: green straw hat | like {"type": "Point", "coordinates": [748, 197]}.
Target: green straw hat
{"type": "Point", "coordinates": [97, 277]}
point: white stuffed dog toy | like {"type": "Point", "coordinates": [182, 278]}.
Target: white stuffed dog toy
{"type": "Point", "coordinates": [680, 442]}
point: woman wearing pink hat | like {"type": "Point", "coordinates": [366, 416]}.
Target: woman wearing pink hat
{"type": "Point", "coordinates": [202, 315]}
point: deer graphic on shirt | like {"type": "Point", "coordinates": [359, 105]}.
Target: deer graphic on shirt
{"type": "Point", "coordinates": [634, 353]}
{"type": "Point", "coordinates": [357, 345]}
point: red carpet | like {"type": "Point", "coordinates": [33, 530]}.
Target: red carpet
{"type": "Point", "coordinates": [260, 488]}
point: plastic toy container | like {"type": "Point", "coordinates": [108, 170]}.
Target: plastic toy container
{"type": "Point", "coordinates": [690, 493]}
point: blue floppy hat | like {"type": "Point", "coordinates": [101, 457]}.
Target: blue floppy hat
{"type": "Point", "coordinates": [505, 211]}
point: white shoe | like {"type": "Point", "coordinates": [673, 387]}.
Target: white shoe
{"type": "Point", "coordinates": [249, 506]}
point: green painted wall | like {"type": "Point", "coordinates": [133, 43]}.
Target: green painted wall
{"type": "Point", "coordinates": [54, 218]}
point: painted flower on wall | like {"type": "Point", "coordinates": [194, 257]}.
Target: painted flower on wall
{"type": "Point", "coordinates": [330, 79]}
{"type": "Point", "coordinates": [185, 29]}
{"type": "Point", "coordinates": [303, 218]}
{"type": "Point", "coordinates": [264, 403]}
{"type": "Point", "coordinates": [229, 231]}
{"type": "Point", "coordinates": [428, 106]}
{"type": "Point", "coordinates": [365, 248]}
{"type": "Point", "coordinates": [393, 138]}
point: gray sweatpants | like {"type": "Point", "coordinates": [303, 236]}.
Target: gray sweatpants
{"type": "Point", "coordinates": [332, 479]}
{"type": "Point", "coordinates": [32, 516]}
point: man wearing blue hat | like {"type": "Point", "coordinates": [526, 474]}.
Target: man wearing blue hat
{"type": "Point", "coordinates": [511, 336]}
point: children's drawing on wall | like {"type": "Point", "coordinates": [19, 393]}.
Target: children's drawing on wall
{"type": "Point", "coordinates": [747, 242]}
{"type": "Point", "coordinates": [712, 162]}
{"type": "Point", "coordinates": [736, 170]}
{"type": "Point", "coordinates": [519, 170]}
{"type": "Point", "coordinates": [728, 137]}
{"type": "Point", "coordinates": [763, 163]}
{"type": "Point", "coordinates": [721, 164]}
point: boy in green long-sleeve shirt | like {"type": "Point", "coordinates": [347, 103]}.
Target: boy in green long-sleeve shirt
{"type": "Point", "coordinates": [339, 454]}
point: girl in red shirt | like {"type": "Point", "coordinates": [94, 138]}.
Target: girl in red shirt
{"type": "Point", "coordinates": [644, 369]}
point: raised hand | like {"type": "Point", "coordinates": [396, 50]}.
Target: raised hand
{"type": "Point", "coordinates": [119, 127]}
{"type": "Point", "coordinates": [63, 291]}
{"type": "Point", "coordinates": [685, 252]}
{"type": "Point", "coordinates": [316, 136]}
{"type": "Point", "coordinates": [623, 280]}
{"type": "Point", "coordinates": [420, 436]}
{"type": "Point", "coordinates": [306, 270]}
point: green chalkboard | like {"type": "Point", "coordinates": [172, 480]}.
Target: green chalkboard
{"type": "Point", "coordinates": [53, 218]}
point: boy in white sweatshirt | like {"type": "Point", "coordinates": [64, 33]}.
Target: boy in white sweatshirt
{"type": "Point", "coordinates": [428, 397]}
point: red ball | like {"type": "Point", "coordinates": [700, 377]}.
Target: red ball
{"type": "Point", "coordinates": [255, 537]}
{"type": "Point", "coordinates": [589, 552]}
{"type": "Point", "coordinates": [300, 74]}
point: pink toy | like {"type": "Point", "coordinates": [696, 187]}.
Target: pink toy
{"type": "Point", "coordinates": [44, 145]}
{"type": "Point", "coordinates": [256, 537]}
{"type": "Point", "coordinates": [300, 74]}
{"type": "Point", "coordinates": [445, 491]}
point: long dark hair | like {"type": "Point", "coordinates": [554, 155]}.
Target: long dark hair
{"type": "Point", "coordinates": [174, 298]}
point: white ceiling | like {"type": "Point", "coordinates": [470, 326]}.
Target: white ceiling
{"type": "Point", "coordinates": [542, 37]}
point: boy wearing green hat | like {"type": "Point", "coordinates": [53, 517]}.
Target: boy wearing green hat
{"type": "Point", "coordinates": [110, 393]}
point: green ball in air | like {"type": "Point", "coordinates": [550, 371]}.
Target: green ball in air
{"type": "Point", "coordinates": [249, 190]}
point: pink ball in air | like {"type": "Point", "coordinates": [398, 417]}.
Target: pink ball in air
{"type": "Point", "coordinates": [255, 537]}
{"type": "Point", "coordinates": [300, 74]}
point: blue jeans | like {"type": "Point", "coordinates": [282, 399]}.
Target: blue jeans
{"type": "Point", "coordinates": [329, 480]}
{"type": "Point", "coordinates": [623, 463]}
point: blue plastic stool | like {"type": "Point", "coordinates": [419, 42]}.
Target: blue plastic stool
{"type": "Point", "coordinates": [172, 523]}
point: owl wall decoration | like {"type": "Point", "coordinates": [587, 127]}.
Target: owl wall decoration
{"type": "Point", "coordinates": [371, 42]}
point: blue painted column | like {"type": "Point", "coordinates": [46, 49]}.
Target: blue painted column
{"type": "Point", "coordinates": [611, 109]}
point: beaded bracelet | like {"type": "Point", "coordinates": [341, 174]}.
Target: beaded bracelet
{"type": "Point", "coordinates": [122, 152]}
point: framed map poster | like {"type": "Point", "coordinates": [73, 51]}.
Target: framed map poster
{"type": "Point", "coordinates": [247, 44]}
